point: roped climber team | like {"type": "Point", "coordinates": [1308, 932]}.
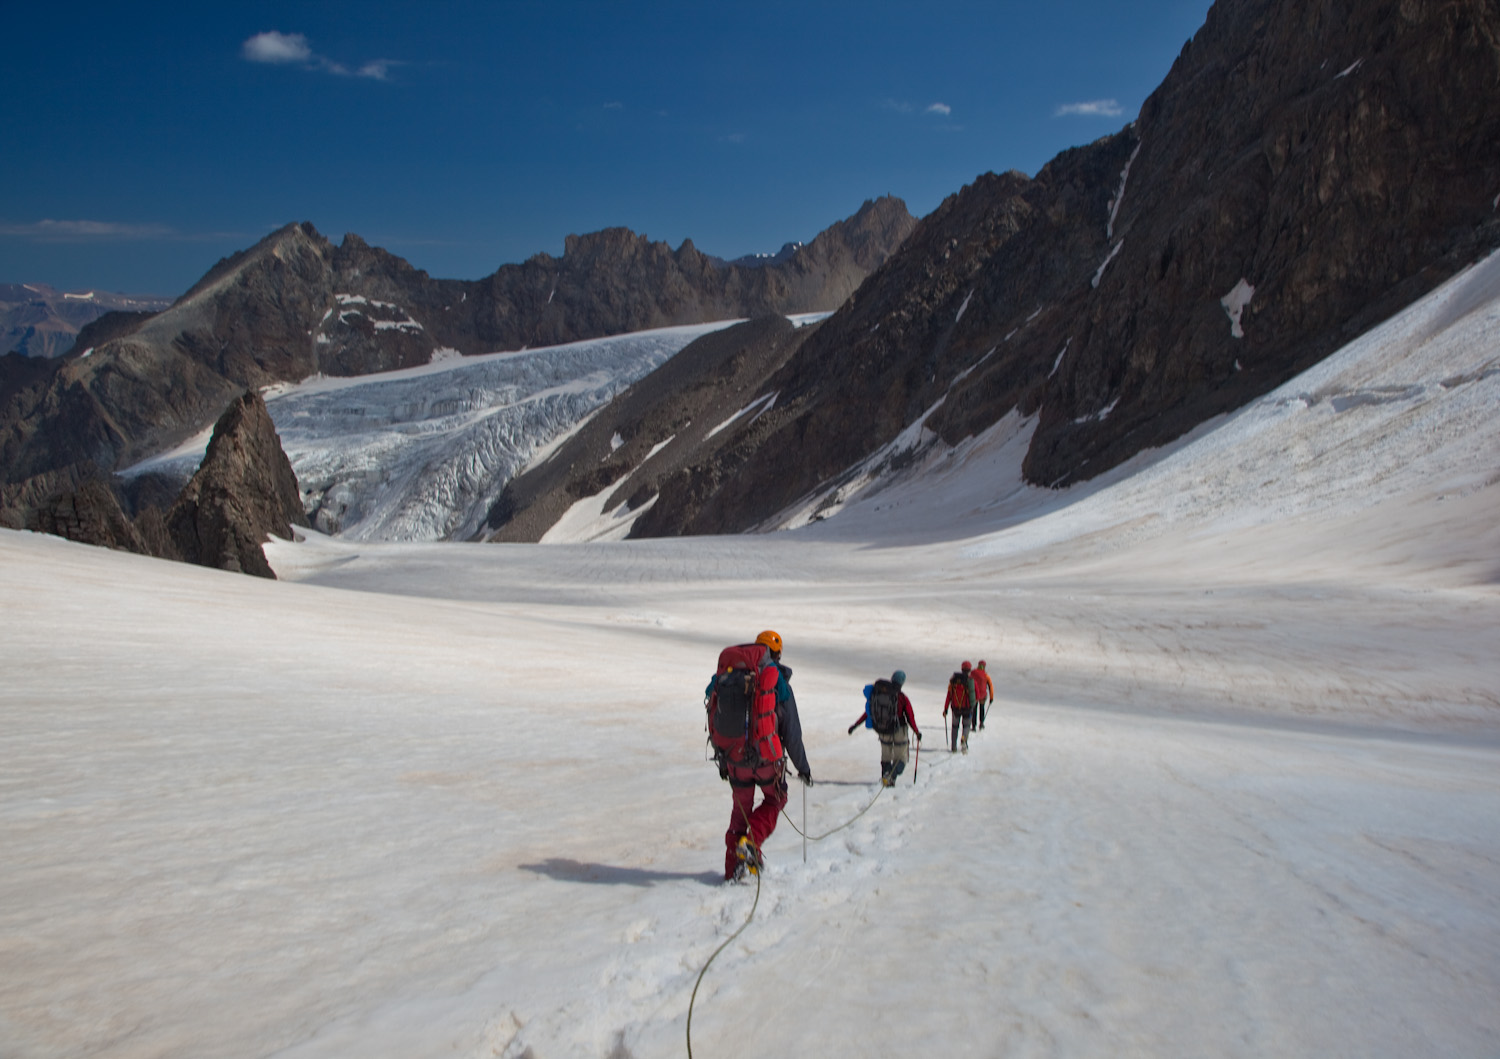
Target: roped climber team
{"type": "Point", "coordinates": [754, 730]}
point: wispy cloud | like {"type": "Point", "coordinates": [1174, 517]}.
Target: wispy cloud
{"type": "Point", "coordinates": [50, 231]}
{"type": "Point", "coordinates": [378, 69]}
{"type": "Point", "coordinates": [733, 137]}
{"type": "Point", "coordinates": [614, 104]}
{"type": "Point", "coordinates": [280, 49]}
{"type": "Point", "coordinates": [1095, 108]}
{"type": "Point", "coordinates": [902, 106]}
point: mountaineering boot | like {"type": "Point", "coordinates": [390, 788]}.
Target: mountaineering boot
{"type": "Point", "coordinates": [751, 861]}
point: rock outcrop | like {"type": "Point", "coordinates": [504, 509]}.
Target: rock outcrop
{"type": "Point", "coordinates": [89, 514]}
{"type": "Point", "coordinates": [243, 493]}
{"type": "Point", "coordinates": [1305, 170]}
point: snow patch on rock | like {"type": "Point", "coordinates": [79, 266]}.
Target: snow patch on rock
{"type": "Point", "coordinates": [760, 405]}
{"type": "Point", "coordinates": [1061, 353]}
{"type": "Point", "coordinates": [1114, 203]}
{"type": "Point", "coordinates": [1099, 272]}
{"type": "Point", "coordinates": [1234, 304]}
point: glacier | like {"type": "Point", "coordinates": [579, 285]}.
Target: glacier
{"type": "Point", "coordinates": [421, 454]}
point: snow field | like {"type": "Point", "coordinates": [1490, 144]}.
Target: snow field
{"type": "Point", "coordinates": [403, 826]}
{"type": "Point", "coordinates": [1240, 796]}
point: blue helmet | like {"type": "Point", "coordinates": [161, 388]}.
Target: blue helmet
{"type": "Point", "coordinates": [898, 677]}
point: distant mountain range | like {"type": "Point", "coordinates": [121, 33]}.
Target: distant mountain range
{"type": "Point", "coordinates": [41, 321]}
{"type": "Point", "coordinates": [296, 305]}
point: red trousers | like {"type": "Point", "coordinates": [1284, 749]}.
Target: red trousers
{"type": "Point", "coordinates": [757, 822]}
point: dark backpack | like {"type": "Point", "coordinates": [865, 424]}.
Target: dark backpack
{"type": "Point", "coordinates": [963, 695]}
{"type": "Point", "coordinates": [885, 707]}
{"type": "Point", "coordinates": [742, 708]}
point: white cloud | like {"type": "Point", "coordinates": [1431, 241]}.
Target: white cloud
{"type": "Point", "coordinates": [282, 48]}
{"type": "Point", "coordinates": [273, 47]}
{"type": "Point", "coordinates": [614, 105]}
{"type": "Point", "coordinates": [1096, 108]}
{"type": "Point", "coordinates": [940, 108]}
{"type": "Point", "coordinates": [898, 106]}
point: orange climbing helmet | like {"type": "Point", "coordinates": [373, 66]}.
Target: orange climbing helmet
{"type": "Point", "coordinates": [771, 639]}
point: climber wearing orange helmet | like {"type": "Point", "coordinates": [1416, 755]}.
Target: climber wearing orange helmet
{"type": "Point", "coordinates": [750, 825]}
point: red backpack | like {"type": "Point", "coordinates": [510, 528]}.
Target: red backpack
{"type": "Point", "coordinates": [959, 687]}
{"type": "Point", "coordinates": [742, 708]}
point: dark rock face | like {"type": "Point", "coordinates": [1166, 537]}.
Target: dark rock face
{"type": "Point", "coordinates": [108, 327]}
{"type": "Point", "coordinates": [1304, 171]}
{"type": "Point", "coordinates": [615, 281]}
{"type": "Point", "coordinates": [244, 491]}
{"type": "Point", "coordinates": [640, 444]}
{"type": "Point", "coordinates": [89, 514]}
{"type": "Point", "coordinates": [295, 305]}
{"type": "Point", "coordinates": [1351, 166]}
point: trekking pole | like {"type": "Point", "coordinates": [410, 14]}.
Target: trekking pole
{"type": "Point", "coordinates": [804, 823]}
{"type": "Point", "coordinates": [917, 763]}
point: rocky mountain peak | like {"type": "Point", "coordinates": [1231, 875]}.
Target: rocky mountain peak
{"type": "Point", "coordinates": [243, 492]}
{"type": "Point", "coordinates": [1304, 171]}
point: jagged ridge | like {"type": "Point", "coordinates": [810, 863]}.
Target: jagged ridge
{"type": "Point", "coordinates": [1339, 157]}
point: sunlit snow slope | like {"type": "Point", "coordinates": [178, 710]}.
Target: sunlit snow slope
{"type": "Point", "coordinates": [1240, 795]}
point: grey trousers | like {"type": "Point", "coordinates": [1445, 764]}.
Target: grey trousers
{"type": "Point", "coordinates": [893, 750]}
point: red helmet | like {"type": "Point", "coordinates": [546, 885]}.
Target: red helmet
{"type": "Point", "coordinates": [981, 664]}
{"type": "Point", "coordinates": [966, 667]}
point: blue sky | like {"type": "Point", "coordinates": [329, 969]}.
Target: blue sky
{"type": "Point", "coordinates": [145, 141]}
